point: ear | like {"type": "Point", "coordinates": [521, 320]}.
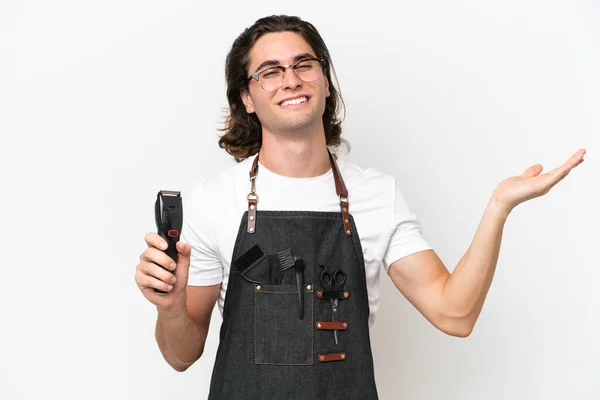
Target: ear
{"type": "Point", "coordinates": [327, 93]}
{"type": "Point", "coordinates": [247, 101]}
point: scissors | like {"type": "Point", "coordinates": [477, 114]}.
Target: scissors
{"type": "Point", "coordinates": [333, 282]}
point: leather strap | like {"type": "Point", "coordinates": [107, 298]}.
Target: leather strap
{"type": "Point", "coordinates": [332, 325]}
{"type": "Point", "coordinates": [332, 294]}
{"type": "Point", "coordinates": [340, 189]}
{"type": "Point", "coordinates": [332, 357]}
{"type": "Point", "coordinates": [252, 198]}
{"type": "Point", "coordinates": [342, 193]}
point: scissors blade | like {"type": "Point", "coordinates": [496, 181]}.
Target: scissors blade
{"type": "Point", "coordinates": [334, 311]}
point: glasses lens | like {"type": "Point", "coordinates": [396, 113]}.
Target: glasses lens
{"type": "Point", "coordinates": [271, 79]}
{"type": "Point", "coordinates": [308, 70]}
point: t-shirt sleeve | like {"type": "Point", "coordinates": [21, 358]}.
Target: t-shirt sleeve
{"type": "Point", "coordinates": [407, 235]}
{"type": "Point", "coordinates": [205, 266]}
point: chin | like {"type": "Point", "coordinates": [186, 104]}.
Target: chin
{"type": "Point", "coordinates": [299, 122]}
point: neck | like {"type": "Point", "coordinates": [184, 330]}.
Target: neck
{"type": "Point", "coordinates": [295, 157]}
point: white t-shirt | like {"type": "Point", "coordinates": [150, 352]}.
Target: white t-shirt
{"type": "Point", "coordinates": [387, 227]}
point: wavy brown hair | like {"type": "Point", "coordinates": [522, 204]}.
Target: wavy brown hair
{"type": "Point", "coordinates": [243, 131]}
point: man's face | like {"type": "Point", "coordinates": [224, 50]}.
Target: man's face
{"type": "Point", "coordinates": [275, 115]}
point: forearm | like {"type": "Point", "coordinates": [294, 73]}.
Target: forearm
{"type": "Point", "coordinates": [179, 339]}
{"type": "Point", "coordinates": [466, 289]}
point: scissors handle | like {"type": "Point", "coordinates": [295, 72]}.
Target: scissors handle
{"type": "Point", "coordinates": [326, 279]}
{"type": "Point", "coordinates": [333, 282]}
{"type": "Point", "coordinates": [339, 278]}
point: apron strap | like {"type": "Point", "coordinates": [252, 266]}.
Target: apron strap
{"type": "Point", "coordinates": [340, 189]}
{"type": "Point", "coordinates": [342, 193]}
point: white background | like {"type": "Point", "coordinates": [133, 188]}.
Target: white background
{"type": "Point", "coordinates": [102, 104]}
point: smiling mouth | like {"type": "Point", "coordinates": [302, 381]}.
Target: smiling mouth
{"type": "Point", "coordinates": [296, 101]}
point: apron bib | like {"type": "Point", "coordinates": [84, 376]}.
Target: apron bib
{"type": "Point", "coordinates": [277, 340]}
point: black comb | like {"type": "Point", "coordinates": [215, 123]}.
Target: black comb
{"type": "Point", "coordinates": [253, 266]}
{"type": "Point", "coordinates": [286, 259]}
{"type": "Point", "coordinates": [248, 258]}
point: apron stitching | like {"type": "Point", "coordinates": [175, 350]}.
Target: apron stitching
{"type": "Point", "coordinates": [312, 330]}
{"type": "Point", "coordinates": [288, 292]}
{"type": "Point", "coordinates": [301, 216]}
{"type": "Point", "coordinates": [289, 365]}
{"type": "Point", "coordinates": [255, 360]}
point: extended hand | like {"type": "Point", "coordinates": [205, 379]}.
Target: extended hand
{"type": "Point", "coordinates": [518, 189]}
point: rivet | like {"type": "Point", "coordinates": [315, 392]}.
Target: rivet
{"type": "Point", "coordinates": [345, 325]}
{"type": "Point", "coordinates": [346, 295]}
{"type": "Point", "coordinates": [258, 287]}
{"type": "Point", "coordinates": [251, 218]}
{"type": "Point", "coordinates": [308, 287]}
{"type": "Point", "coordinates": [319, 294]}
{"type": "Point", "coordinates": [348, 231]}
{"type": "Point", "coordinates": [342, 356]}
{"type": "Point", "coordinates": [251, 229]}
{"type": "Point", "coordinates": [345, 209]}
{"type": "Point", "coordinates": [346, 220]}
{"type": "Point", "coordinates": [321, 358]}
{"type": "Point", "coordinates": [319, 325]}
{"type": "Point", "coordinates": [252, 207]}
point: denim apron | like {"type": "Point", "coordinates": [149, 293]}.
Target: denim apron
{"type": "Point", "coordinates": [267, 348]}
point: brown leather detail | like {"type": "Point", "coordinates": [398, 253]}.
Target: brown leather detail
{"type": "Point", "coordinates": [331, 357]}
{"type": "Point", "coordinates": [320, 294]}
{"type": "Point", "coordinates": [332, 325]}
{"type": "Point", "coordinates": [344, 204]}
{"type": "Point", "coordinates": [252, 215]}
{"type": "Point", "coordinates": [342, 192]}
{"type": "Point", "coordinates": [252, 198]}
{"type": "Point", "coordinates": [340, 188]}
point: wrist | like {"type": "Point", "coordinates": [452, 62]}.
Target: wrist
{"type": "Point", "coordinates": [498, 209]}
{"type": "Point", "coordinates": [173, 311]}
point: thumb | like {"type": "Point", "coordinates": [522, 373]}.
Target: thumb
{"type": "Point", "coordinates": [184, 250]}
{"type": "Point", "coordinates": [532, 171]}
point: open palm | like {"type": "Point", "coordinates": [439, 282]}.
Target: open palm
{"type": "Point", "coordinates": [532, 183]}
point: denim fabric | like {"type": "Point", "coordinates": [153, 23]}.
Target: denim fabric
{"type": "Point", "coordinates": [282, 321]}
{"type": "Point", "coordinates": [266, 351]}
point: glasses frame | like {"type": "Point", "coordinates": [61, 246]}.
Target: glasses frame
{"type": "Point", "coordinates": [283, 69]}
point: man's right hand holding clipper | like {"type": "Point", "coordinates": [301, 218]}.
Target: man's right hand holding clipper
{"type": "Point", "coordinates": [157, 270]}
{"type": "Point", "coordinates": [184, 311]}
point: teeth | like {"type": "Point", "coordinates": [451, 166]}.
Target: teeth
{"type": "Point", "coordinates": [295, 101]}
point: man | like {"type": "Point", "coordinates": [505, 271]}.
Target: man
{"type": "Point", "coordinates": [286, 333]}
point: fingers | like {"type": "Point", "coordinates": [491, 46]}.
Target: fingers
{"type": "Point", "coordinates": [574, 160]}
{"type": "Point", "coordinates": [559, 173]}
{"type": "Point", "coordinates": [146, 281]}
{"type": "Point", "coordinates": [151, 272]}
{"type": "Point", "coordinates": [155, 269]}
{"type": "Point", "coordinates": [154, 240]}
{"type": "Point", "coordinates": [159, 257]}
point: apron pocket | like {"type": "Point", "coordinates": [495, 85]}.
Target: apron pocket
{"type": "Point", "coordinates": [280, 336]}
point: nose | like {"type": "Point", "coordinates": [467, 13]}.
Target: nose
{"type": "Point", "coordinates": [291, 80]}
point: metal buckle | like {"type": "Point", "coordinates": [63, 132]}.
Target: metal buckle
{"type": "Point", "coordinates": [252, 196]}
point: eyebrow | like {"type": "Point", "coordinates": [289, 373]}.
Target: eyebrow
{"type": "Point", "coordinates": [275, 62]}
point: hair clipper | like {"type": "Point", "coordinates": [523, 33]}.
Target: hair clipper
{"type": "Point", "coordinates": [168, 213]}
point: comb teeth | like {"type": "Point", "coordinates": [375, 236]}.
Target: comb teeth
{"type": "Point", "coordinates": [286, 260]}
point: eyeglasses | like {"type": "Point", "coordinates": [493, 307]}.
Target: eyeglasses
{"type": "Point", "coordinates": [272, 78]}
